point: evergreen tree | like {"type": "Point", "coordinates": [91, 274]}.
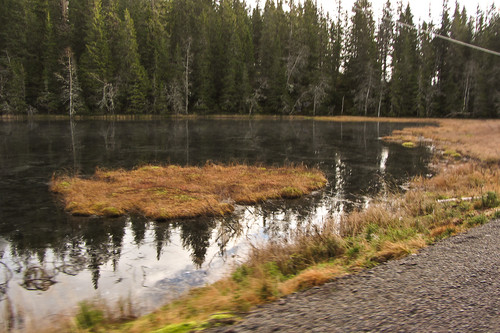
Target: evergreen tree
{"type": "Point", "coordinates": [271, 58]}
{"type": "Point", "coordinates": [238, 56]}
{"type": "Point", "coordinates": [361, 66]}
{"type": "Point", "coordinates": [12, 86]}
{"type": "Point", "coordinates": [336, 45]}
{"type": "Point", "coordinates": [444, 84]}
{"type": "Point", "coordinates": [426, 73]}
{"type": "Point", "coordinates": [36, 12]}
{"type": "Point", "coordinates": [384, 45]}
{"type": "Point", "coordinates": [79, 17]}
{"type": "Point", "coordinates": [461, 68]}
{"type": "Point", "coordinates": [487, 85]}
{"type": "Point", "coordinates": [12, 56]}
{"type": "Point", "coordinates": [154, 55]}
{"type": "Point", "coordinates": [404, 83]}
{"type": "Point", "coordinates": [133, 79]}
{"type": "Point", "coordinates": [96, 66]}
{"type": "Point", "coordinates": [48, 99]}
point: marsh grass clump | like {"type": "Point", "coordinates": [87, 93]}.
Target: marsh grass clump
{"type": "Point", "coordinates": [167, 192]}
{"type": "Point", "coordinates": [477, 220]}
{"type": "Point", "coordinates": [89, 315]}
{"type": "Point", "coordinates": [490, 200]}
{"type": "Point", "coordinates": [409, 144]}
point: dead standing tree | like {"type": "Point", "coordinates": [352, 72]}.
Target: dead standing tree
{"type": "Point", "coordinates": [187, 71]}
{"type": "Point", "coordinates": [71, 92]}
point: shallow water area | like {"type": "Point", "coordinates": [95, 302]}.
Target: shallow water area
{"type": "Point", "coordinates": [49, 260]}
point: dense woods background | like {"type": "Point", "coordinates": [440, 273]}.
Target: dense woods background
{"type": "Point", "coordinates": [207, 56]}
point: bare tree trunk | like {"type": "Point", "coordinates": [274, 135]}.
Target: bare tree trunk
{"type": "Point", "coordinates": [187, 141]}
{"type": "Point", "coordinates": [466, 94]}
{"type": "Point", "coordinates": [367, 95]}
{"type": "Point", "coordinates": [342, 110]}
{"type": "Point", "coordinates": [186, 78]}
{"type": "Point", "coordinates": [298, 61]}
{"type": "Point", "coordinates": [72, 126]}
{"type": "Point", "coordinates": [379, 105]}
{"type": "Point", "coordinates": [70, 69]}
{"type": "Point", "coordinates": [314, 105]}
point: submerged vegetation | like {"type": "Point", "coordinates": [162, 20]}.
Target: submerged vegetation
{"type": "Point", "coordinates": [167, 192]}
{"type": "Point", "coordinates": [463, 193]}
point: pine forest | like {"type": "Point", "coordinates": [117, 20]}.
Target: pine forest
{"type": "Point", "coordinates": [166, 57]}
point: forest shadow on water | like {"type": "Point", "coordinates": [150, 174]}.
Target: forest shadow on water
{"type": "Point", "coordinates": [50, 261]}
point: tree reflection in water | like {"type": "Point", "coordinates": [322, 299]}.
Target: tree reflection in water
{"type": "Point", "coordinates": [90, 243]}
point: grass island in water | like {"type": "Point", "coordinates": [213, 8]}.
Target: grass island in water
{"type": "Point", "coordinates": [167, 192]}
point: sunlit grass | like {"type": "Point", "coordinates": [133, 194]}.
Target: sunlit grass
{"type": "Point", "coordinates": [479, 139]}
{"type": "Point", "coordinates": [166, 192]}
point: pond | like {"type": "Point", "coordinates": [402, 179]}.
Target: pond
{"type": "Point", "coordinates": [50, 261]}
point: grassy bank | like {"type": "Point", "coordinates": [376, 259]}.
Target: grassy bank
{"type": "Point", "coordinates": [167, 192]}
{"type": "Point", "coordinates": [462, 194]}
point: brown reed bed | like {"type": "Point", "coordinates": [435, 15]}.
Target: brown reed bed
{"type": "Point", "coordinates": [167, 192]}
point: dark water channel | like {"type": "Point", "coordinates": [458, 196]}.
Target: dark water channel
{"type": "Point", "coordinates": [49, 261]}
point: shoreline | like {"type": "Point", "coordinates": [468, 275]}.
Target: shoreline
{"type": "Point", "coordinates": [125, 117]}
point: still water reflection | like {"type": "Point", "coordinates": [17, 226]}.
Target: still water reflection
{"type": "Point", "coordinates": [49, 261]}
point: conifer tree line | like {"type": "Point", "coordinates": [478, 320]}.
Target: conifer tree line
{"type": "Point", "coordinates": [208, 56]}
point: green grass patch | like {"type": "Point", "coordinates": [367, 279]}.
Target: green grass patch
{"type": "Point", "coordinates": [476, 220]}
{"type": "Point", "coordinates": [291, 192]}
{"type": "Point", "coordinates": [452, 153]}
{"type": "Point", "coordinates": [89, 316]}
{"type": "Point", "coordinates": [490, 200]}
{"type": "Point", "coordinates": [178, 328]}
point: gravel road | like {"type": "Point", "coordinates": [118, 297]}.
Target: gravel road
{"type": "Point", "coordinates": [452, 286]}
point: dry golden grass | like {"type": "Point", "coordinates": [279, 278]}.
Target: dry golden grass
{"type": "Point", "coordinates": [180, 192]}
{"type": "Point", "coordinates": [310, 278]}
{"type": "Point", "coordinates": [444, 230]}
{"type": "Point", "coordinates": [395, 250]}
{"type": "Point", "coordinates": [479, 139]}
{"type": "Point", "coordinates": [375, 119]}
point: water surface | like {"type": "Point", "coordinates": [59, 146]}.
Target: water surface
{"type": "Point", "coordinates": [49, 261]}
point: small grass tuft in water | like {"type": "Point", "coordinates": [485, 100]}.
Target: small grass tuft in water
{"type": "Point", "coordinates": [89, 316]}
{"type": "Point", "coordinates": [178, 328]}
{"type": "Point", "coordinates": [167, 192]}
{"type": "Point", "coordinates": [452, 153]}
{"type": "Point", "coordinates": [408, 144]}
{"type": "Point", "coordinates": [291, 192]}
